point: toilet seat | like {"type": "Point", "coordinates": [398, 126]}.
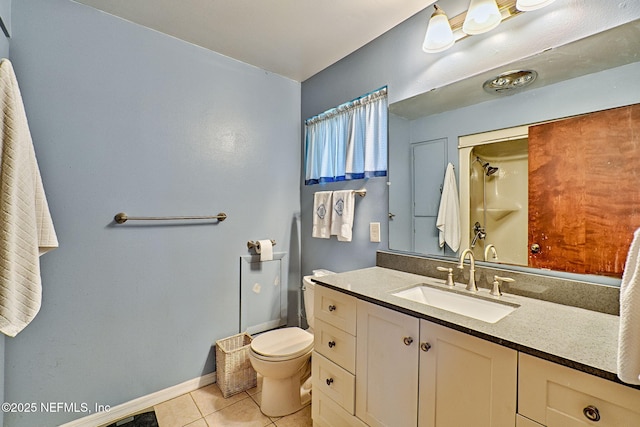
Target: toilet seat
{"type": "Point", "coordinates": [282, 344]}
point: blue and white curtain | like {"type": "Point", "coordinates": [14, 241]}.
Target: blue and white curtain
{"type": "Point", "coordinates": [349, 141]}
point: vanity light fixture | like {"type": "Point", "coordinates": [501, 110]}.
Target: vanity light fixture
{"type": "Point", "coordinates": [529, 5]}
{"type": "Point", "coordinates": [482, 16]}
{"type": "Point", "coordinates": [439, 35]}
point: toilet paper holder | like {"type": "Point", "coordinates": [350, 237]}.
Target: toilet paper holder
{"type": "Point", "coordinates": [252, 244]}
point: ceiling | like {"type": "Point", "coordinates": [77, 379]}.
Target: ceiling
{"type": "Point", "coordinates": [293, 38]}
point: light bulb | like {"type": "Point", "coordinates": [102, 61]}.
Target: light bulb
{"type": "Point", "coordinates": [439, 36]}
{"type": "Point", "coordinates": [482, 16]}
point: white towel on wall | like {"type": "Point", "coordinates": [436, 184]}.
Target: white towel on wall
{"type": "Point", "coordinates": [629, 333]}
{"type": "Point", "coordinates": [342, 215]}
{"type": "Point", "coordinates": [322, 214]}
{"type": "Point", "coordinates": [448, 221]}
{"type": "Point", "coordinates": [26, 229]}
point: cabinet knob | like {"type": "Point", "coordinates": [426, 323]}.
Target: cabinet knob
{"type": "Point", "coordinates": [425, 346]}
{"type": "Point", "coordinates": [592, 413]}
{"type": "Point", "coordinates": [331, 344]}
{"type": "Point", "coordinates": [332, 307]}
{"type": "Point", "coordinates": [408, 340]}
{"type": "Point", "coordinates": [329, 381]}
{"type": "Point", "coordinates": [535, 248]}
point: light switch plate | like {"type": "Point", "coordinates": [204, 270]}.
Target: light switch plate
{"type": "Point", "coordinates": [374, 232]}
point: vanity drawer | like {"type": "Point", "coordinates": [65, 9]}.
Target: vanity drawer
{"type": "Point", "coordinates": [555, 395]}
{"type": "Point", "coordinates": [327, 413]}
{"type": "Point", "coordinates": [334, 381]}
{"type": "Point", "coordinates": [335, 308]}
{"type": "Point", "coordinates": [335, 344]}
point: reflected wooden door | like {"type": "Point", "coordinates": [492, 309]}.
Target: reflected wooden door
{"type": "Point", "coordinates": [584, 191]}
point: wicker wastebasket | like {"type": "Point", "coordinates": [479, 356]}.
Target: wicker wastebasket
{"type": "Point", "coordinates": [234, 372]}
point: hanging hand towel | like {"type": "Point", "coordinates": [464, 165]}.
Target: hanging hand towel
{"type": "Point", "coordinates": [629, 333]}
{"type": "Point", "coordinates": [322, 215]}
{"type": "Point", "coordinates": [342, 215]}
{"type": "Point", "coordinates": [26, 229]}
{"type": "Point", "coordinates": [448, 221]}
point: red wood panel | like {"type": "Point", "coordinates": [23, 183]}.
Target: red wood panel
{"type": "Point", "coordinates": [584, 191]}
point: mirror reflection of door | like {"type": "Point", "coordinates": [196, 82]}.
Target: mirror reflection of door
{"type": "Point", "coordinates": [584, 202]}
{"type": "Point", "coordinates": [427, 189]}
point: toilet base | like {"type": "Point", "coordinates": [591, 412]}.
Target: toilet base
{"type": "Point", "coordinates": [280, 397]}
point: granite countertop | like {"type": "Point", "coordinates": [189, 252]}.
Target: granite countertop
{"type": "Point", "coordinates": [581, 339]}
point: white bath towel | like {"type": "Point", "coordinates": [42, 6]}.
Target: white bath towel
{"type": "Point", "coordinates": [322, 214]}
{"type": "Point", "coordinates": [629, 333]}
{"type": "Point", "coordinates": [342, 216]}
{"type": "Point", "coordinates": [448, 221]}
{"type": "Point", "coordinates": [26, 229]}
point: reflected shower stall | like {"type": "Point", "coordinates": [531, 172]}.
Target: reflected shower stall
{"type": "Point", "coordinates": [494, 199]}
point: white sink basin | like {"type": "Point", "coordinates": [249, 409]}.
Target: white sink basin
{"type": "Point", "coordinates": [456, 301]}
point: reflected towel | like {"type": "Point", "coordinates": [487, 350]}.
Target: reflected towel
{"type": "Point", "coordinates": [629, 333]}
{"type": "Point", "coordinates": [448, 221]}
{"type": "Point", "coordinates": [322, 215]}
{"type": "Point", "coordinates": [26, 229]}
{"type": "Point", "coordinates": [342, 215]}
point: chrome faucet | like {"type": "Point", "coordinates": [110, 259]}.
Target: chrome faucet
{"type": "Point", "coordinates": [472, 269]}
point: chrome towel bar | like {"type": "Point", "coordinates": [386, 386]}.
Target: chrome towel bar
{"type": "Point", "coordinates": [122, 217]}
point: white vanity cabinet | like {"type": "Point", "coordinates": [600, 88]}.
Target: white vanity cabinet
{"type": "Point", "coordinates": [386, 367]}
{"type": "Point", "coordinates": [557, 396]}
{"type": "Point", "coordinates": [465, 380]}
{"type": "Point", "coordinates": [413, 372]}
{"type": "Point", "coordinates": [333, 360]}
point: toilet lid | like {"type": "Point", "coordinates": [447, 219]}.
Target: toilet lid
{"type": "Point", "coordinates": [285, 342]}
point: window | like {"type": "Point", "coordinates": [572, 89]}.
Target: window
{"type": "Point", "coordinates": [348, 141]}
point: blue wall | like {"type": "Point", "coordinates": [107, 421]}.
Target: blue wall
{"type": "Point", "coordinates": [127, 119]}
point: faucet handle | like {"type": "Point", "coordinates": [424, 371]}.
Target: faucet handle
{"type": "Point", "coordinates": [449, 276]}
{"type": "Point", "coordinates": [497, 280]}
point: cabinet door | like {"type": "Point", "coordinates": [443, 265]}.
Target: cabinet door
{"type": "Point", "coordinates": [386, 367]}
{"type": "Point", "coordinates": [464, 380]}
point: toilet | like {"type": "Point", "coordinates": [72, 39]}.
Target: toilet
{"type": "Point", "coordinates": [282, 360]}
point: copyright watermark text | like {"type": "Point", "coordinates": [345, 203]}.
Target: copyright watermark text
{"type": "Point", "coordinates": [54, 407]}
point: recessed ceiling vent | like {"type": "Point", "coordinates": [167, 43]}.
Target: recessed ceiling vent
{"type": "Point", "coordinates": [510, 82]}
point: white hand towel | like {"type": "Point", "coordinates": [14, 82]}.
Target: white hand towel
{"type": "Point", "coordinates": [342, 215]}
{"type": "Point", "coordinates": [629, 333]}
{"type": "Point", "coordinates": [26, 229]}
{"type": "Point", "coordinates": [448, 221]}
{"type": "Point", "coordinates": [322, 215]}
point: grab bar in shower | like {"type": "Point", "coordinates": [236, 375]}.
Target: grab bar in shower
{"type": "Point", "coordinates": [122, 217]}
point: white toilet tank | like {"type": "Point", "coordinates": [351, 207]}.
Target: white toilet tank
{"type": "Point", "coordinates": [308, 288]}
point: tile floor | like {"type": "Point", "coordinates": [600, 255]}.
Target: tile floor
{"type": "Point", "coordinates": [206, 407]}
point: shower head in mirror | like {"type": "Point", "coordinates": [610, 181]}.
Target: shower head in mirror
{"type": "Point", "coordinates": [488, 169]}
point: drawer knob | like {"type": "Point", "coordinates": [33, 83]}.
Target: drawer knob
{"type": "Point", "coordinates": [425, 346]}
{"type": "Point", "coordinates": [592, 413]}
{"type": "Point", "coordinates": [329, 381]}
{"type": "Point", "coordinates": [331, 344]}
{"type": "Point", "coordinates": [332, 307]}
{"type": "Point", "coordinates": [408, 340]}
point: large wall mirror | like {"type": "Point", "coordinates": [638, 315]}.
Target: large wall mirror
{"type": "Point", "coordinates": [490, 138]}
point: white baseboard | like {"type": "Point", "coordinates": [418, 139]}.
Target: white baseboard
{"type": "Point", "coordinates": [142, 403]}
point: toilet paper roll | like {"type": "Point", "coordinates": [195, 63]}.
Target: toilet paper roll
{"type": "Point", "coordinates": [265, 249]}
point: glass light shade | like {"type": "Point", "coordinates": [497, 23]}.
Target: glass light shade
{"type": "Point", "coordinates": [482, 16]}
{"type": "Point", "coordinates": [529, 5]}
{"type": "Point", "coordinates": [439, 36]}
